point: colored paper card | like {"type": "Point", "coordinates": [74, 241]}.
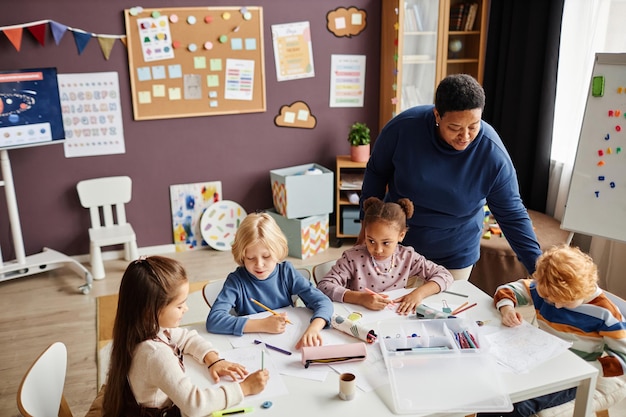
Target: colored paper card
{"type": "Point", "coordinates": [215, 64]}
{"type": "Point", "coordinates": [158, 72]}
{"type": "Point", "coordinates": [158, 90]}
{"type": "Point", "coordinates": [144, 74]}
{"type": "Point", "coordinates": [175, 71]}
{"type": "Point", "coordinates": [236, 44]}
{"type": "Point", "coordinates": [289, 117]}
{"type": "Point", "coordinates": [174, 93]}
{"type": "Point", "coordinates": [212, 81]}
{"type": "Point", "coordinates": [144, 97]}
{"type": "Point", "coordinates": [199, 62]}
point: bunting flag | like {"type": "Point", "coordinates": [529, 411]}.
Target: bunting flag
{"type": "Point", "coordinates": [39, 32]}
{"type": "Point", "coordinates": [15, 36]}
{"type": "Point", "coordinates": [81, 38]}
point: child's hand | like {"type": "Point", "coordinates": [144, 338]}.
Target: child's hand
{"type": "Point", "coordinates": [276, 323]}
{"type": "Point", "coordinates": [255, 383]}
{"type": "Point", "coordinates": [374, 301]}
{"type": "Point", "coordinates": [225, 368]}
{"type": "Point", "coordinates": [408, 302]}
{"type": "Point", "coordinates": [510, 317]}
{"type": "Point", "coordinates": [311, 336]}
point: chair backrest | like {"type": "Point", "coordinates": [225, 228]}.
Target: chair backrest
{"type": "Point", "coordinates": [105, 194]}
{"type": "Point", "coordinates": [211, 290]}
{"type": "Point", "coordinates": [41, 391]}
{"type": "Point", "coordinates": [320, 270]}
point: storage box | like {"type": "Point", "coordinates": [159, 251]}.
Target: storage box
{"type": "Point", "coordinates": [307, 236]}
{"type": "Point", "coordinates": [299, 192]}
{"type": "Point", "coordinates": [431, 371]}
{"type": "Point", "coordinates": [350, 223]}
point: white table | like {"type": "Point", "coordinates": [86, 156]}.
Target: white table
{"type": "Point", "coordinates": [313, 398]}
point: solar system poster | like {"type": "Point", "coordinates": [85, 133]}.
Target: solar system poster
{"type": "Point", "coordinates": [30, 108]}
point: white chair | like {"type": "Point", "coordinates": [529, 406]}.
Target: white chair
{"type": "Point", "coordinates": [211, 290]}
{"type": "Point", "coordinates": [100, 196]}
{"type": "Point", "coordinates": [41, 391]}
{"type": "Point", "coordinates": [320, 270]}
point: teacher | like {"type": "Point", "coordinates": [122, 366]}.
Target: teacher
{"type": "Point", "coordinates": [450, 163]}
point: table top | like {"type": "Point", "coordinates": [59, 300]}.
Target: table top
{"type": "Point", "coordinates": [310, 397]}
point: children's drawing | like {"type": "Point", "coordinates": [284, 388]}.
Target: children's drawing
{"type": "Point", "coordinates": [188, 203]}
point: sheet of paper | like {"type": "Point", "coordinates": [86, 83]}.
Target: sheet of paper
{"type": "Point", "coordinates": [524, 347]}
{"type": "Point", "coordinates": [250, 357]}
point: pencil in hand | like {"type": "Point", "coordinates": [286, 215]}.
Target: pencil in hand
{"type": "Point", "coordinates": [263, 306]}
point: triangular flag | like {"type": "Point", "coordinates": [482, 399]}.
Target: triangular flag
{"type": "Point", "coordinates": [106, 44]}
{"type": "Point", "coordinates": [39, 32]}
{"type": "Point", "coordinates": [58, 30]}
{"type": "Point", "coordinates": [81, 39]}
{"type": "Point", "coordinates": [15, 36]}
{"type": "Point", "coordinates": [123, 39]}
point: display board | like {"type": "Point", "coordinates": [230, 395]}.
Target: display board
{"type": "Point", "coordinates": [195, 61]}
{"type": "Point", "coordinates": [596, 203]}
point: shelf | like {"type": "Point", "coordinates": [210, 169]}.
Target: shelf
{"type": "Point", "coordinates": [345, 168]}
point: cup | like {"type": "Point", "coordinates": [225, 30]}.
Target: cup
{"type": "Point", "coordinates": [347, 386]}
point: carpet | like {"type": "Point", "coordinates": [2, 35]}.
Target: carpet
{"type": "Point", "coordinates": [106, 307]}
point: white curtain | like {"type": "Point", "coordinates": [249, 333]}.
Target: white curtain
{"type": "Point", "coordinates": [588, 26]}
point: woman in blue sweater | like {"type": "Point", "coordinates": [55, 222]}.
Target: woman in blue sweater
{"type": "Point", "coordinates": [450, 163]}
{"type": "Point", "coordinates": [263, 275]}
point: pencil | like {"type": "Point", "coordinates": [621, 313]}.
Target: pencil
{"type": "Point", "coordinates": [455, 293]}
{"type": "Point", "coordinates": [262, 360]}
{"type": "Point", "coordinates": [267, 308]}
{"type": "Point", "coordinates": [458, 308]}
{"type": "Point", "coordinates": [391, 303]}
{"type": "Point", "coordinates": [465, 308]}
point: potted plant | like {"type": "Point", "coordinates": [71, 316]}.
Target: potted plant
{"type": "Point", "coordinates": [359, 138]}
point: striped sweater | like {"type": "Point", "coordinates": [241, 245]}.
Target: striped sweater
{"type": "Point", "coordinates": [596, 328]}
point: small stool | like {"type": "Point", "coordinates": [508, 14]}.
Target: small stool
{"type": "Point", "coordinates": [498, 264]}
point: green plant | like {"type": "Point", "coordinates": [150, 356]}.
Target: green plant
{"type": "Point", "coordinates": [359, 134]}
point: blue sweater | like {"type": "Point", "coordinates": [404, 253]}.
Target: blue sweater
{"type": "Point", "coordinates": [449, 189]}
{"type": "Point", "coordinates": [274, 292]}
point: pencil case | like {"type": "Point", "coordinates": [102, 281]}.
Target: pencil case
{"type": "Point", "coordinates": [329, 354]}
{"type": "Point", "coordinates": [353, 328]}
{"type": "Point", "coordinates": [422, 311]}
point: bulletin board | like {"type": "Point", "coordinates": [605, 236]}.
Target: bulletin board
{"type": "Point", "coordinates": [195, 61]}
{"type": "Point", "coordinates": [596, 202]}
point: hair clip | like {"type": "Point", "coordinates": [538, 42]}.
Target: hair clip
{"type": "Point", "coordinates": [140, 259]}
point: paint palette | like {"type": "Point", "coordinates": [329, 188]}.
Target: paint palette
{"type": "Point", "coordinates": [220, 222]}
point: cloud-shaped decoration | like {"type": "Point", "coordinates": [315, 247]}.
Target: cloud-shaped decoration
{"type": "Point", "coordinates": [346, 22]}
{"type": "Point", "coordinates": [297, 115]}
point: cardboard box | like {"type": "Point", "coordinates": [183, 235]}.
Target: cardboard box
{"type": "Point", "coordinates": [413, 347]}
{"type": "Point", "coordinates": [350, 223]}
{"type": "Point", "coordinates": [297, 193]}
{"type": "Point", "coordinates": [307, 236]}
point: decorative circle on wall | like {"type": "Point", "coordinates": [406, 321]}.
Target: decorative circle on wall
{"type": "Point", "coordinates": [220, 222]}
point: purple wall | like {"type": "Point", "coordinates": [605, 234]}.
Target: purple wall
{"type": "Point", "coordinates": [239, 150]}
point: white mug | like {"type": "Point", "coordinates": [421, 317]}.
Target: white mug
{"type": "Point", "coordinates": [347, 386]}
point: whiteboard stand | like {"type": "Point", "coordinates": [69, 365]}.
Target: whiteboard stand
{"type": "Point", "coordinates": [33, 264]}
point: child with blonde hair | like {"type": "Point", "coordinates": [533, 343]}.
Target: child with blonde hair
{"type": "Point", "coordinates": [569, 304]}
{"type": "Point", "coordinates": [382, 263]}
{"type": "Point", "coordinates": [260, 249]}
{"type": "Point", "coordinates": [147, 373]}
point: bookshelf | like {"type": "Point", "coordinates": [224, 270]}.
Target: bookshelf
{"type": "Point", "coordinates": [349, 179]}
{"type": "Point", "coordinates": [418, 49]}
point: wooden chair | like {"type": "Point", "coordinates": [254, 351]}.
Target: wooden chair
{"type": "Point", "coordinates": [41, 391]}
{"type": "Point", "coordinates": [102, 195]}
{"type": "Point", "coordinates": [211, 290]}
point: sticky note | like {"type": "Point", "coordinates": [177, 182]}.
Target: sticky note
{"type": "Point", "coordinates": [144, 97]}
{"type": "Point", "coordinates": [158, 90]}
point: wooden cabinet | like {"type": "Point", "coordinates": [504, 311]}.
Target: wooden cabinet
{"type": "Point", "coordinates": [349, 178]}
{"type": "Point", "coordinates": [419, 49]}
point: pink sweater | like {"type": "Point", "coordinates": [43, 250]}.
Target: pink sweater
{"type": "Point", "coordinates": [355, 271]}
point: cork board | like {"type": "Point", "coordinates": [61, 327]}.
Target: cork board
{"type": "Point", "coordinates": [195, 61]}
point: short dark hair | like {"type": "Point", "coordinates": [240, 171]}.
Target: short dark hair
{"type": "Point", "coordinates": [458, 92]}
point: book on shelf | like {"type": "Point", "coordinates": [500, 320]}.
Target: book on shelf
{"type": "Point", "coordinates": [456, 16]}
{"type": "Point", "coordinates": [471, 17]}
{"type": "Point", "coordinates": [351, 181]}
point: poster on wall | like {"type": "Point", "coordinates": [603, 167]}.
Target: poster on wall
{"type": "Point", "coordinates": [188, 203]}
{"type": "Point", "coordinates": [293, 51]}
{"type": "Point", "coordinates": [347, 80]}
{"type": "Point", "coordinates": [92, 114]}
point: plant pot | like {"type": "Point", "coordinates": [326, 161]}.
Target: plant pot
{"type": "Point", "coordinates": [360, 153]}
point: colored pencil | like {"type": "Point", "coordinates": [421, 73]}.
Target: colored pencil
{"type": "Point", "coordinates": [464, 309]}
{"type": "Point", "coordinates": [455, 293]}
{"type": "Point", "coordinates": [267, 308]}
{"type": "Point", "coordinates": [458, 308]}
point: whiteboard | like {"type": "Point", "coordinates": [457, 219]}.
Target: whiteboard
{"type": "Point", "coordinates": [596, 202]}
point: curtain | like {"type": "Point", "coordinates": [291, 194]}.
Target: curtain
{"type": "Point", "coordinates": [520, 87]}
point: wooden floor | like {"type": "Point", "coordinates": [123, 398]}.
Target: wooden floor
{"type": "Point", "coordinates": [41, 309]}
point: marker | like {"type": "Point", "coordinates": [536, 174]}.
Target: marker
{"type": "Point", "coordinates": [267, 308]}
{"type": "Point", "coordinates": [277, 349]}
{"type": "Point", "coordinates": [232, 411]}
{"type": "Point", "coordinates": [422, 349]}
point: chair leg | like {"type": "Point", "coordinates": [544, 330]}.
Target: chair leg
{"type": "Point", "coordinates": [602, 413]}
{"type": "Point", "coordinates": [132, 252]}
{"type": "Point", "coordinates": [97, 266]}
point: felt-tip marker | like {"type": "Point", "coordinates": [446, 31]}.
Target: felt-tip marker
{"type": "Point", "coordinates": [232, 411]}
